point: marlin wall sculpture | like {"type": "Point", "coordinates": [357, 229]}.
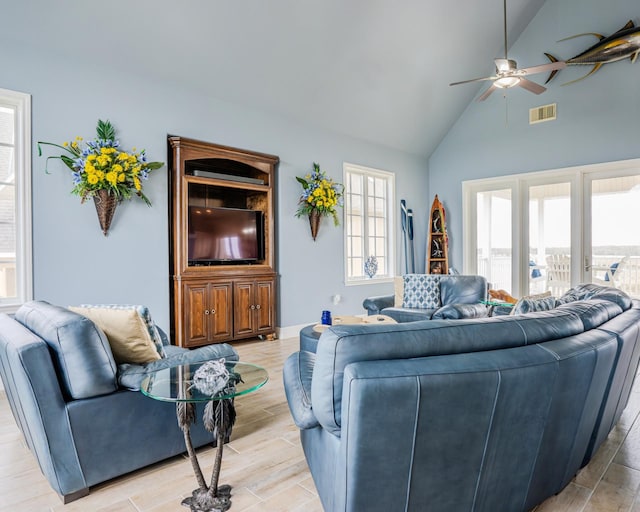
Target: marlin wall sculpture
{"type": "Point", "coordinates": [625, 43]}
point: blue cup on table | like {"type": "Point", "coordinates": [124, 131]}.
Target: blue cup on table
{"type": "Point", "coordinates": [326, 317]}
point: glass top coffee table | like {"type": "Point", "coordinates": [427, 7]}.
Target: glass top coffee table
{"type": "Point", "coordinates": [216, 383]}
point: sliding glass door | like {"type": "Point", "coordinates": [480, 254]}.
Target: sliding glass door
{"type": "Point", "coordinates": [613, 258]}
{"type": "Point", "coordinates": [551, 230]}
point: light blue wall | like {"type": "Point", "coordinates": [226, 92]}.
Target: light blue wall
{"type": "Point", "coordinates": [74, 262]}
{"type": "Point", "coordinates": [598, 118]}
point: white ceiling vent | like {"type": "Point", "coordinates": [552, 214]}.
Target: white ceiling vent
{"type": "Point", "coordinates": [543, 113]}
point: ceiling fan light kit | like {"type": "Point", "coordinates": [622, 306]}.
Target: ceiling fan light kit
{"type": "Point", "coordinates": [507, 82]}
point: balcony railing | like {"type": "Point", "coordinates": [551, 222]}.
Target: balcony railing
{"type": "Point", "coordinates": [497, 270]}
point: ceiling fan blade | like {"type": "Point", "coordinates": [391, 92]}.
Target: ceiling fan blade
{"type": "Point", "coordinates": [475, 80]}
{"type": "Point", "coordinates": [486, 93]}
{"type": "Point", "coordinates": [552, 66]}
{"type": "Point", "coordinates": [531, 86]}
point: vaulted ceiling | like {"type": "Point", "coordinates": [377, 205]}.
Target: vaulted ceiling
{"type": "Point", "coordinates": [376, 70]}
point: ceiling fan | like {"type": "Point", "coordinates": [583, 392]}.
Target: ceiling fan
{"type": "Point", "coordinates": [508, 75]}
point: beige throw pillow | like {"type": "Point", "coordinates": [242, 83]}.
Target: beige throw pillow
{"type": "Point", "coordinates": [398, 290]}
{"type": "Point", "coordinates": [127, 334]}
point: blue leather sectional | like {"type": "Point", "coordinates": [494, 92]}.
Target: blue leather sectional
{"type": "Point", "coordinates": [489, 414]}
{"type": "Point", "coordinates": [80, 414]}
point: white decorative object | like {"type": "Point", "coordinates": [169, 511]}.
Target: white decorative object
{"type": "Point", "coordinates": [211, 377]}
{"type": "Point", "coordinates": [371, 266]}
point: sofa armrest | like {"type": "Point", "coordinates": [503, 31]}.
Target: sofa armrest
{"type": "Point", "coordinates": [374, 305]}
{"type": "Point", "coordinates": [34, 392]}
{"type": "Point", "coordinates": [297, 374]}
{"type": "Point", "coordinates": [459, 311]}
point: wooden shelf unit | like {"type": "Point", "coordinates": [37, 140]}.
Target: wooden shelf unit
{"type": "Point", "coordinates": [437, 248]}
{"type": "Point", "coordinates": [220, 302]}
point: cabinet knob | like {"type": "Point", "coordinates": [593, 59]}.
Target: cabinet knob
{"type": "Point", "coordinates": [258, 306]}
{"type": "Point", "coordinates": [252, 306]}
{"type": "Point", "coordinates": [213, 311]}
{"type": "Point", "coordinates": [206, 312]}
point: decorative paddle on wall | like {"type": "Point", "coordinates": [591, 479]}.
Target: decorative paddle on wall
{"type": "Point", "coordinates": [508, 75]}
{"type": "Point", "coordinates": [406, 216]}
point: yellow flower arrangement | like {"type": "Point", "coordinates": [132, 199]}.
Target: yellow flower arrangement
{"type": "Point", "coordinates": [320, 194]}
{"type": "Point", "coordinates": [101, 165]}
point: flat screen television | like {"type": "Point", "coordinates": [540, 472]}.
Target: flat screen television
{"type": "Point", "coordinates": [225, 235]}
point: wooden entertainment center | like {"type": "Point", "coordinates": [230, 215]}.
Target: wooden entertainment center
{"type": "Point", "coordinates": [220, 301]}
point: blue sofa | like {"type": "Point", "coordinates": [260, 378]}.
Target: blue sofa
{"type": "Point", "coordinates": [457, 297]}
{"type": "Point", "coordinates": [81, 415]}
{"type": "Point", "coordinates": [464, 415]}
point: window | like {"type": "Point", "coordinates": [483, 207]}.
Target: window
{"type": "Point", "coordinates": [15, 199]}
{"type": "Point", "coordinates": [368, 196]}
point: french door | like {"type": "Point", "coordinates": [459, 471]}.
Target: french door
{"type": "Point", "coordinates": [554, 229]}
{"type": "Point", "coordinates": [613, 238]}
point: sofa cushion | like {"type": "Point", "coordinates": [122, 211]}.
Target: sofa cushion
{"type": "Point", "coordinates": [402, 315]}
{"type": "Point", "coordinates": [592, 312]}
{"type": "Point", "coordinates": [129, 337]}
{"type": "Point", "coordinates": [421, 291]}
{"type": "Point", "coordinates": [459, 311]}
{"type": "Point", "coordinates": [593, 291]}
{"type": "Point", "coordinates": [80, 350]}
{"type": "Point", "coordinates": [457, 289]}
{"type": "Point", "coordinates": [614, 295]}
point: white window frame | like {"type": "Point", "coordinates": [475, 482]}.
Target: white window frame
{"type": "Point", "coordinates": [390, 179]}
{"type": "Point", "coordinates": [21, 102]}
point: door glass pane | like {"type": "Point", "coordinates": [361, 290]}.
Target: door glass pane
{"type": "Point", "coordinates": [494, 238]}
{"type": "Point", "coordinates": [615, 238]}
{"type": "Point", "coordinates": [550, 238]}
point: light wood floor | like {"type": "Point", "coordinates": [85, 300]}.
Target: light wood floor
{"type": "Point", "coordinates": [265, 465]}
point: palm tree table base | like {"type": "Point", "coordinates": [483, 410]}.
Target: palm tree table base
{"type": "Point", "coordinates": [219, 417]}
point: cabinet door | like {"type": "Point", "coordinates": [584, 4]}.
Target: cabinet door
{"type": "Point", "coordinates": [220, 312]}
{"type": "Point", "coordinates": [243, 308]}
{"type": "Point", "coordinates": [196, 322]}
{"type": "Point", "coordinates": [264, 311]}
